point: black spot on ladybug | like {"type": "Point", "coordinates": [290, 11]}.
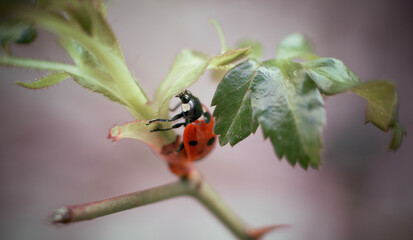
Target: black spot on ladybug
{"type": "Point", "coordinates": [200, 151]}
{"type": "Point", "coordinates": [211, 141]}
{"type": "Point", "coordinates": [193, 143]}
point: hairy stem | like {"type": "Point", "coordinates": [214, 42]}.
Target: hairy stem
{"type": "Point", "coordinates": [224, 47]}
{"type": "Point", "coordinates": [194, 185]}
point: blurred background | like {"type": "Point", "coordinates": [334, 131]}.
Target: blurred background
{"type": "Point", "coordinates": [54, 150]}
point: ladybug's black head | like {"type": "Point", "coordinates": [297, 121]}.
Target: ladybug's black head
{"type": "Point", "coordinates": [191, 106]}
{"type": "Point", "coordinates": [185, 96]}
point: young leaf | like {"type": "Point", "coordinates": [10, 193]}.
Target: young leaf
{"type": "Point", "coordinates": [96, 86]}
{"type": "Point", "coordinates": [80, 55]}
{"type": "Point", "coordinates": [101, 65]}
{"type": "Point", "coordinates": [257, 50]}
{"type": "Point", "coordinates": [226, 59]}
{"type": "Point", "coordinates": [398, 133]}
{"type": "Point", "coordinates": [331, 75]}
{"type": "Point", "coordinates": [290, 110]}
{"type": "Point", "coordinates": [100, 80]}
{"type": "Point", "coordinates": [382, 103]}
{"type": "Point", "coordinates": [187, 68]}
{"type": "Point", "coordinates": [294, 46]}
{"type": "Point", "coordinates": [82, 16]}
{"type": "Point", "coordinates": [84, 20]}
{"type": "Point", "coordinates": [233, 113]}
{"type": "Point", "coordinates": [137, 130]}
{"type": "Point", "coordinates": [50, 80]}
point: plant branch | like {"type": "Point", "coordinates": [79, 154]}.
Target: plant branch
{"type": "Point", "coordinates": [101, 208]}
{"type": "Point", "coordinates": [214, 203]}
{"type": "Point", "coordinates": [193, 185]}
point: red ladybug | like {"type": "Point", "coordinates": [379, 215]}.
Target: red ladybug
{"type": "Point", "coordinates": [198, 137]}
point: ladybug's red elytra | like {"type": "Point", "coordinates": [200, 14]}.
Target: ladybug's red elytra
{"type": "Point", "coordinates": [198, 137]}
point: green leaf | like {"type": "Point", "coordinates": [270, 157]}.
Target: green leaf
{"type": "Point", "coordinates": [50, 80]}
{"type": "Point", "coordinates": [331, 75]}
{"type": "Point", "coordinates": [382, 102]}
{"type": "Point", "coordinates": [137, 130]}
{"type": "Point", "coordinates": [100, 29]}
{"type": "Point", "coordinates": [82, 15]}
{"type": "Point", "coordinates": [294, 46]}
{"type": "Point", "coordinates": [233, 113]}
{"type": "Point", "coordinates": [279, 96]}
{"type": "Point", "coordinates": [99, 80]}
{"type": "Point", "coordinates": [290, 110]}
{"type": "Point", "coordinates": [187, 68]}
{"type": "Point", "coordinates": [226, 59]}
{"type": "Point", "coordinates": [257, 50]}
{"type": "Point", "coordinates": [80, 55]}
{"type": "Point", "coordinates": [98, 87]}
{"type": "Point", "coordinates": [398, 133]}
{"type": "Point", "coordinates": [382, 108]}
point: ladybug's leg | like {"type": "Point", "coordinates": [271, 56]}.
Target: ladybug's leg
{"type": "Point", "coordinates": [166, 129]}
{"type": "Point", "coordinates": [180, 147]}
{"type": "Point", "coordinates": [207, 116]}
{"type": "Point", "coordinates": [177, 116]}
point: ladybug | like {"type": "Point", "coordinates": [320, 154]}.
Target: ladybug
{"type": "Point", "coordinates": [198, 137]}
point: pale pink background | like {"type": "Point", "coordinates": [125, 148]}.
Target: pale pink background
{"type": "Point", "coordinates": [54, 150]}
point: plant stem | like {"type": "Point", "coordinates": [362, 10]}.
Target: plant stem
{"type": "Point", "coordinates": [194, 185]}
{"type": "Point", "coordinates": [224, 47]}
{"type": "Point", "coordinates": [206, 195]}
{"type": "Point", "coordinates": [101, 208]}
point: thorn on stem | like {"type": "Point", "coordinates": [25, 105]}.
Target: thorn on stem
{"type": "Point", "coordinates": [257, 233]}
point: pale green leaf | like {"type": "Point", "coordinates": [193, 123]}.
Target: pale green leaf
{"type": "Point", "coordinates": [331, 75]}
{"type": "Point", "coordinates": [80, 55]}
{"type": "Point", "coordinates": [49, 80]}
{"type": "Point", "coordinates": [82, 15]}
{"type": "Point", "coordinates": [294, 46]}
{"type": "Point", "coordinates": [187, 68]}
{"type": "Point", "coordinates": [382, 108]}
{"type": "Point", "coordinates": [257, 49]}
{"type": "Point", "coordinates": [80, 20]}
{"type": "Point", "coordinates": [137, 130]}
{"type": "Point", "coordinates": [382, 102]}
{"type": "Point", "coordinates": [97, 86]}
{"type": "Point", "coordinates": [99, 80]}
{"type": "Point", "coordinates": [399, 132]}
{"type": "Point", "coordinates": [226, 59]}
{"type": "Point", "coordinates": [233, 113]}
